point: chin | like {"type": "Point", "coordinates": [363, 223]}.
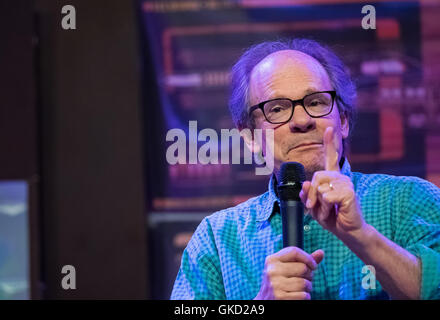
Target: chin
{"type": "Point", "coordinates": [311, 169]}
{"type": "Point", "coordinates": [312, 162]}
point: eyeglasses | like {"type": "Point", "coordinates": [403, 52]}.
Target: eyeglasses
{"type": "Point", "coordinates": [280, 110]}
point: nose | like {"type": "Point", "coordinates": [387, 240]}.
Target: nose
{"type": "Point", "coordinates": [301, 121]}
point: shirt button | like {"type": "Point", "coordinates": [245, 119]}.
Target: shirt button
{"type": "Point", "coordinates": [307, 228]}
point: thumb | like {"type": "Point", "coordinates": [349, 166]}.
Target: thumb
{"type": "Point", "coordinates": [318, 255]}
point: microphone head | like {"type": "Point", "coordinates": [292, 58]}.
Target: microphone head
{"type": "Point", "coordinates": [290, 179]}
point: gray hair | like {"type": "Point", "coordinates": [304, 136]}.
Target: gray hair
{"type": "Point", "coordinates": [336, 70]}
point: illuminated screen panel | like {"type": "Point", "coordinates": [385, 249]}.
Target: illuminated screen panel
{"type": "Point", "coordinates": [193, 47]}
{"type": "Point", "coordinates": [14, 246]}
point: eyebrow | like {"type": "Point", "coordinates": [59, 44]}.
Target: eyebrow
{"type": "Point", "coordinates": [307, 92]}
{"type": "Point", "coordinates": [312, 90]}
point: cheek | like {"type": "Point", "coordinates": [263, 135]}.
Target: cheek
{"type": "Point", "coordinates": [335, 122]}
{"type": "Point", "coordinates": [323, 123]}
{"type": "Point", "coordinates": [271, 143]}
{"type": "Point", "coordinates": [281, 140]}
{"type": "Point", "coordinates": [327, 121]}
{"type": "Point", "coordinates": [269, 139]}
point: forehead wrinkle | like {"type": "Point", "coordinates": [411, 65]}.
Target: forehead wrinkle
{"type": "Point", "coordinates": [270, 77]}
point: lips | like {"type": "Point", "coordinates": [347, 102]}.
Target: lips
{"type": "Point", "coordinates": [307, 144]}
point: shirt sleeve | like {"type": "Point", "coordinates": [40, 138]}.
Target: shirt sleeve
{"type": "Point", "coordinates": [199, 276]}
{"type": "Point", "coordinates": [418, 230]}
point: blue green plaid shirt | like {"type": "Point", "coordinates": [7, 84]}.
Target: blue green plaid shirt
{"type": "Point", "coordinates": [225, 256]}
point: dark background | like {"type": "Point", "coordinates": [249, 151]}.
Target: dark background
{"type": "Point", "coordinates": [70, 126]}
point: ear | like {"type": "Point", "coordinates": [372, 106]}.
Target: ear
{"type": "Point", "coordinates": [345, 126]}
{"type": "Point", "coordinates": [251, 143]}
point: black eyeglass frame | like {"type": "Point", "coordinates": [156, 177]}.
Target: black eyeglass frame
{"type": "Point", "coordinates": [294, 104]}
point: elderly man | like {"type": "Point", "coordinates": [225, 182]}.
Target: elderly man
{"type": "Point", "coordinates": [355, 224]}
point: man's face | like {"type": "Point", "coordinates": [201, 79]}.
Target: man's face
{"type": "Point", "coordinates": [293, 74]}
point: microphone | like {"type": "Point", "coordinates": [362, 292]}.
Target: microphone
{"type": "Point", "coordinates": [290, 179]}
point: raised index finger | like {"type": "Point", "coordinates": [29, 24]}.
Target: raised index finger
{"type": "Point", "coordinates": [330, 150]}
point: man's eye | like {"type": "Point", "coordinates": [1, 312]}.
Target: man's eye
{"type": "Point", "coordinates": [315, 103]}
{"type": "Point", "coordinates": [279, 108]}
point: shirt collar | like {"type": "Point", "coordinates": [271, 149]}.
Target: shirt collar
{"type": "Point", "coordinates": [345, 168]}
{"type": "Point", "coordinates": [270, 203]}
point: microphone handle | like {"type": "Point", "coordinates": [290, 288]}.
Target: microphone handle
{"type": "Point", "coordinates": [292, 214]}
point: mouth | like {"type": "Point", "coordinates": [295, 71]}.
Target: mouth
{"type": "Point", "coordinates": [307, 145]}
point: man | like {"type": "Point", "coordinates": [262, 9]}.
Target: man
{"type": "Point", "coordinates": [355, 223]}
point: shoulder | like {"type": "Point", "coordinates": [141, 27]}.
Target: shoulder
{"type": "Point", "coordinates": [239, 215]}
{"type": "Point", "coordinates": [400, 182]}
{"type": "Point", "coordinates": [399, 188]}
{"type": "Point", "coordinates": [362, 180]}
{"type": "Point", "coordinates": [227, 223]}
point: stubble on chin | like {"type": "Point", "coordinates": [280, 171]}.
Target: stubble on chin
{"type": "Point", "coordinates": [311, 165]}
{"type": "Point", "coordinates": [311, 169]}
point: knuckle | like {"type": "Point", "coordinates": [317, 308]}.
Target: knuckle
{"type": "Point", "coordinates": [294, 249]}
{"type": "Point", "coordinates": [305, 296]}
{"type": "Point", "coordinates": [279, 294]}
{"type": "Point", "coordinates": [307, 285]}
{"type": "Point", "coordinates": [293, 252]}
{"type": "Point", "coordinates": [303, 270]}
{"type": "Point", "coordinates": [301, 284]}
{"type": "Point", "coordinates": [351, 186]}
{"type": "Point", "coordinates": [270, 260]}
{"type": "Point", "coordinates": [304, 285]}
{"type": "Point", "coordinates": [352, 193]}
{"type": "Point", "coordinates": [317, 174]}
{"type": "Point", "coordinates": [271, 272]}
{"type": "Point", "coordinates": [275, 284]}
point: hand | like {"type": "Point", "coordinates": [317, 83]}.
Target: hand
{"type": "Point", "coordinates": [288, 274]}
{"type": "Point", "coordinates": [330, 196]}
